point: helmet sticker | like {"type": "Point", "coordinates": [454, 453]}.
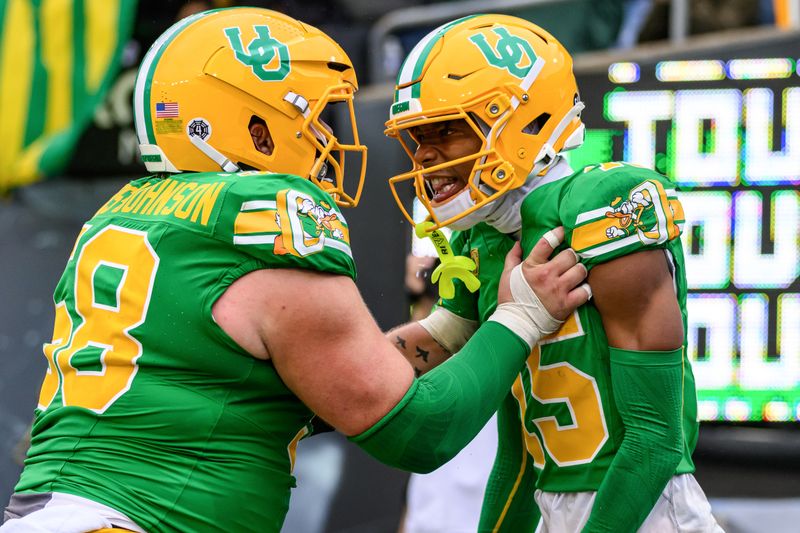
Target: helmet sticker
{"type": "Point", "coordinates": [400, 107]}
{"type": "Point", "coordinates": [511, 52]}
{"type": "Point", "coordinates": [405, 106]}
{"type": "Point", "coordinates": [199, 127]}
{"type": "Point", "coordinates": [168, 118]}
{"type": "Point", "coordinates": [168, 125]}
{"type": "Point", "coordinates": [167, 110]}
{"type": "Point", "coordinates": [261, 52]}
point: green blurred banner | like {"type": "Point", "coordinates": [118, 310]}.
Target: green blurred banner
{"type": "Point", "coordinates": [57, 61]}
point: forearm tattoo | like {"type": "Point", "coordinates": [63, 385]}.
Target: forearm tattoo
{"type": "Point", "coordinates": [401, 342]}
{"type": "Point", "coordinates": [422, 353]}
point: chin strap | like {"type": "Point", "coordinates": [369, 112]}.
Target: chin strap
{"type": "Point", "coordinates": [451, 267]}
{"type": "Point", "coordinates": [212, 153]}
{"type": "Point", "coordinates": [302, 105]}
{"type": "Point", "coordinates": [546, 157]}
{"type": "Point", "coordinates": [505, 216]}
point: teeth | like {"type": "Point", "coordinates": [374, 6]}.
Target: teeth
{"type": "Point", "coordinates": [438, 183]}
{"type": "Point", "coordinates": [448, 188]}
{"type": "Point", "coordinates": [443, 186]}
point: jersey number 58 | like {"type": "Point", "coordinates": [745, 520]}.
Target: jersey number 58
{"type": "Point", "coordinates": [107, 294]}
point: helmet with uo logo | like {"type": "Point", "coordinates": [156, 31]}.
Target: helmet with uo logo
{"type": "Point", "coordinates": [210, 76]}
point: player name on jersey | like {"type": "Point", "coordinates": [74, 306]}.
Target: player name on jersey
{"type": "Point", "coordinates": [167, 197]}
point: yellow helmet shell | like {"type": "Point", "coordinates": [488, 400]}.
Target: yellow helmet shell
{"type": "Point", "coordinates": [510, 79]}
{"type": "Point", "coordinates": [207, 76]}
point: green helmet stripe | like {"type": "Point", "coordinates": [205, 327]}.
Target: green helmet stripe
{"type": "Point", "coordinates": [415, 61]}
{"type": "Point", "coordinates": [141, 94]}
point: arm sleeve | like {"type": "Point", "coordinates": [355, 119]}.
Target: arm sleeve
{"type": "Point", "coordinates": [508, 504]}
{"type": "Point", "coordinates": [444, 409]}
{"type": "Point", "coordinates": [647, 390]}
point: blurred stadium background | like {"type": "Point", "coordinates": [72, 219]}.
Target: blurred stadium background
{"type": "Point", "coordinates": [705, 91]}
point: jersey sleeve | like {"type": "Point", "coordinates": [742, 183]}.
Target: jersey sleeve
{"type": "Point", "coordinates": [464, 302]}
{"type": "Point", "coordinates": [616, 209]}
{"type": "Point", "coordinates": [287, 222]}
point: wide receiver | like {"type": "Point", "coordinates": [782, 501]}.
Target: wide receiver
{"type": "Point", "coordinates": [600, 425]}
{"type": "Point", "coordinates": [208, 311]}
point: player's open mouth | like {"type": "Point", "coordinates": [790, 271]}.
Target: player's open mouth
{"type": "Point", "coordinates": [443, 187]}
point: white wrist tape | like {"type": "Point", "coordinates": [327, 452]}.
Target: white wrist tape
{"type": "Point", "coordinates": [526, 315]}
{"type": "Point", "coordinates": [449, 329]}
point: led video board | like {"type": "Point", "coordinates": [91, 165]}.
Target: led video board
{"type": "Point", "coordinates": [726, 128]}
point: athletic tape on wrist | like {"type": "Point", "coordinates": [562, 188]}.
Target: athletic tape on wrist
{"type": "Point", "coordinates": [448, 329]}
{"type": "Point", "coordinates": [526, 315]}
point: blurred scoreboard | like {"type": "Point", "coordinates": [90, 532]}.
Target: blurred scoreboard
{"type": "Point", "coordinates": [725, 127]}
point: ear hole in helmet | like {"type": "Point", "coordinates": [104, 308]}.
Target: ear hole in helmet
{"type": "Point", "coordinates": [536, 125]}
{"type": "Point", "coordinates": [255, 119]}
{"type": "Point", "coordinates": [259, 133]}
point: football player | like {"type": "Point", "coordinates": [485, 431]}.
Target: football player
{"type": "Point", "coordinates": [600, 425]}
{"type": "Point", "coordinates": [208, 310]}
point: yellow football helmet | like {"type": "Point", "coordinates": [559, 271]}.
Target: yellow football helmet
{"type": "Point", "coordinates": [209, 75]}
{"type": "Point", "coordinates": [513, 84]}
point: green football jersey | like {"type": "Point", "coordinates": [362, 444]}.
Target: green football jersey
{"type": "Point", "coordinates": [148, 406]}
{"type": "Point", "coordinates": [565, 429]}
{"type": "Point", "coordinates": [487, 247]}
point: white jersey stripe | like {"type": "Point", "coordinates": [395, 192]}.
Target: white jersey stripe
{"type": "Point", "coordinates": [610, 247]}
{"type": "Point", "coordinates": [338, 245]}
{"type": "Point", "coordinates": [594, 214]}
{"type": "Point", "coordinates": [255, 205]}
{"type": "Point", "coordinates": [254, 239]}
{"type": "Point", "coordinates": [270, 239]}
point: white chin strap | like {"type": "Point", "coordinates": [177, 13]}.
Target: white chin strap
{"type": "Point", "coordinates": [215, 155]}
{"type": "Point", "coordinates": [506, 216]}
{"type": "Point", "coordinates": [504, 213]}
{"type": "Point", "coordinates": [546, 157]}
{"type": "Point", "coordinates": [456, 205]}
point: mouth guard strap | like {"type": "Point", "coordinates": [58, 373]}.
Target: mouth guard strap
{"type": "Point", "coordinates": [451, 266]}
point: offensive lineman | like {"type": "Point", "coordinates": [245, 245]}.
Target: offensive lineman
{"type": "Point", "coordinates": [599, 427]}
{"type": "Point", "coordinates": [188, 358]}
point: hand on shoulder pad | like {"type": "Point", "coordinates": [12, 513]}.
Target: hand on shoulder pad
{"type": "Point", "coordinates": [536, 295]}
